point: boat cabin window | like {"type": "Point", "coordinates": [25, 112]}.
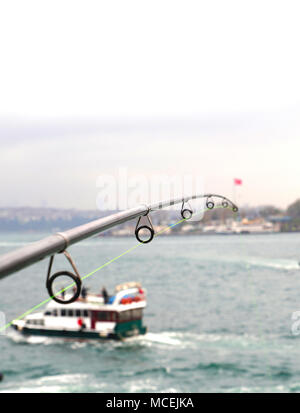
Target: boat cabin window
{"type": "Point", "coordinates": [137, 314]}
{"type": "Point", "coordinates": [130, 315]}
{"type": "Point", "coordinates": [35, 322]}
{"type": "Point", "coordinates": [122, 316]}
{"type": "Point", "coordinates": [68, 313]}
{"type": "Point", "coordinates": [74, 313]}
{"type": "Point", "coordinates": [103, 316]}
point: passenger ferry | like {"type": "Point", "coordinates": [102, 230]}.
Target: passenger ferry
{"type": "Point", "coordinates": [91, 316]}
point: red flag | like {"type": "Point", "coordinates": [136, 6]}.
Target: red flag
{"type": "Point", "coordinates": [237, 181]}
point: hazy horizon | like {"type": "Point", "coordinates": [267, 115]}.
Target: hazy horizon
{"type": "Point", "coordinates": [57, 162]}
{"type": "Point", "coordinates": [211, 89]}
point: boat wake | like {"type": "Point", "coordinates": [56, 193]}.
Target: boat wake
{"type": "Point", "coordinates": [22, 339]}
{"type": "Point", "coordinates": [186, 340]}
{"type": "Point", "coordinates": [276, 263]}
{"type": "Point", "coordinates": [163, 339]}
{"type": "Point", "coordinates": [54, 384]}
{"type": "Point", "coordinates": [280, 264]}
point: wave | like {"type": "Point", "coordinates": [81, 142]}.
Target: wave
{"type": "Point", "coordinates": [276, 263]}
{"type": "Point", "coordinates": [19, 338]}
{"type": "Point", "coordinates": [53, 384]}
{"type": "Point", "coordinates": [280, 388]}
{"type": "Point", "coordinates": [167, 340]}
{"type": "Point", "coordinates": [163, 339]}
{"type": "Point", "coordinates": [149, 386]}
{"type": "Point", "coordinates": [280, 264]}
{"type": "Point", "coordinates": [186, 338]}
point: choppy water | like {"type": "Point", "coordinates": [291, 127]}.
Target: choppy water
{"type": "Point", "coordinates": [219, 318]}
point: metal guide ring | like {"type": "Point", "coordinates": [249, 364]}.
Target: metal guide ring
{"type": "Point", "coordinates": [143, 223]}
{"type": "Point", "coordinates": [210, 204]}
{"type": "Point", "coordinates": [186, 211]}
{"type": "Point", "coordinates": [75, 277]}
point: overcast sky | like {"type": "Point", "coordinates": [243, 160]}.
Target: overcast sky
{"type": "Point", "coordinates": [210, 88]}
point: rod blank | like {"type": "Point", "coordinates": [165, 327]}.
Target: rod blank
{"type": "Point", "coordinates": [32, 253]}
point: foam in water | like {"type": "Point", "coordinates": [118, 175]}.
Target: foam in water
{"type": "Point", "coordinates": [276, 263]}
{"type": "Point", "coordinates": [281, 264]}
{"type": "Point", "coordinates": [166, 339]}
{"type": "Point", "coordinates": [53, 384]}
{"type": "Point", "coordinates": [162, 338]}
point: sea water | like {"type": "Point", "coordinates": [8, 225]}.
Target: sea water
{"type": "Point", "coordinates": [221, 317]}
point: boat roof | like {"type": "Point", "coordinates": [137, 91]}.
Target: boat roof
{"type": "Point", "coordinates": [96, 301]}
{"type": "Point", "coordinates": [77, 305]}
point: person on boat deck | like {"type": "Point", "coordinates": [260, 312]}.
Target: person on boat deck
{"type": "Point", "coordinates": [105, 295]}
{"type": "Point", "coordinates": [84, 292]}
{"type": "Point", "coordinates": [81, 324]}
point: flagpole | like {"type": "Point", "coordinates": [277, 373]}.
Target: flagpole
{"type": "Point", "coordinates": [234, 191]}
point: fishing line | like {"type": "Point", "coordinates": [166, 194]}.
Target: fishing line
{"type": "Point", "coordinates": [99, 268]}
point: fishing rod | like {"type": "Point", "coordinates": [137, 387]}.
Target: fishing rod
{"type": "Point", "coordinates": [59, 242]}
